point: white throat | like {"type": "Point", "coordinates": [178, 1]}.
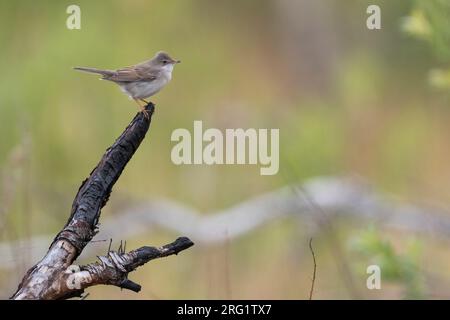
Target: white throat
{"type": "Point", "coordinates": [168, 67]}
{"type": "Point", "coordinates": [167, 71]}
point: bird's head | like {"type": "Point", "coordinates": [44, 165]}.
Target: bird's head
{"type": "Point", "coordinates": [163, 60]}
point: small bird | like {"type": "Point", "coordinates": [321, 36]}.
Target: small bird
{"type": "Point", "coordinates": [142, 80]}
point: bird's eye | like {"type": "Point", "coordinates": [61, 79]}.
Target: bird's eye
{"type": "Point", "coordinates": [165, 61]}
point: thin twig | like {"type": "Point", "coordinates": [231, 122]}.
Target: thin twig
{"type": "Point", "coordinates": [313, 280]}
{"type": "Point", "coordinates": [226, 263]}
{"type": "Point", "coordinates": [324, 223]}
{"type": "Point", "coordinates": [110, 243]}
{"type": "Point", "coordinates": [333, 240]}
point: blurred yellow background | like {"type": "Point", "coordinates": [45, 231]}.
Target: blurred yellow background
{"type": "Point", "coordinates": [348, 101]}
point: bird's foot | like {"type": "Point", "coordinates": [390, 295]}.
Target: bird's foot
{"type": "Point", "coordinates": [146, 113]}
{"type": "Point", "coordinates": [145, 101]}
{"type": "Point", "coordinates": [143, 110]}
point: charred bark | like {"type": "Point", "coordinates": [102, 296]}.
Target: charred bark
{"type": "Point", "coordinates": [56, 276]}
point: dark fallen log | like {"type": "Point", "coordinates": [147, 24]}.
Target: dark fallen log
{"type": "Point", "coordinates": [56, 276]}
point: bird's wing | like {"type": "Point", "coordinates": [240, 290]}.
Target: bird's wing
{"type": "Point", "coordinates": [139, 72]}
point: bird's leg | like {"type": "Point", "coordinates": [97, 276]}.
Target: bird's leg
{"type": "Point", "coordinates": [143, 100]}
{"type": "Point", "coordinates": [142, 108]}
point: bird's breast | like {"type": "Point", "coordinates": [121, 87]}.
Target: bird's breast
{"type": "Point", "coordinates": [144, 89]}
{"type": "Point", "coordinates": [167, 74]}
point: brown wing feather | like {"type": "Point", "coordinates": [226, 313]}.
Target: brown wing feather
{"type": "Point", "coordinates": [140, 72]}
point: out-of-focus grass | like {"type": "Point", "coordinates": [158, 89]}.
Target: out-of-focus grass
{"type": "Point", "coordinates": [378, 119]}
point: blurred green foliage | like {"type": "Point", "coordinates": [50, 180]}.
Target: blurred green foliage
{"type": "Point", "coordinates": [347, 101]}
{"type": "Point", "coordinates": [395, 267]}
{"type": "Point", "coordinates": [430, 21]}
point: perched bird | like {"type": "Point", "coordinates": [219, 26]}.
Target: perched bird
{"type": "Point", "coordinates": [142, 80]}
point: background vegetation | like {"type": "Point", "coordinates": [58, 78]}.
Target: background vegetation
{"type": "Point", "coordinates": [347, 100]}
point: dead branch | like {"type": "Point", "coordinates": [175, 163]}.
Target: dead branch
{"type": "Point", "coordinates": [55, 276]}
{"type": "Point", "coordinates": [113, 268]}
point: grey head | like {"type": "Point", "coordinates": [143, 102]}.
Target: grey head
{"type": "Point", "coordinates": [161, 58]}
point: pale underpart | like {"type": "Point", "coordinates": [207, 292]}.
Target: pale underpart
{"type": "Point", "coordinates": [144, 89]}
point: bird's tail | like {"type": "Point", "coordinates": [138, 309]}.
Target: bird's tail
{"type": "Point", "coordinates": [94, 70]}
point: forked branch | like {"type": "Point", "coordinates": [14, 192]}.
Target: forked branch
{"type": "Point", "coordinates": [55, 276]}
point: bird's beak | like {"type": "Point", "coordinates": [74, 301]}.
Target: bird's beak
{"type": "Point", "coordinates": [177, 61]}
